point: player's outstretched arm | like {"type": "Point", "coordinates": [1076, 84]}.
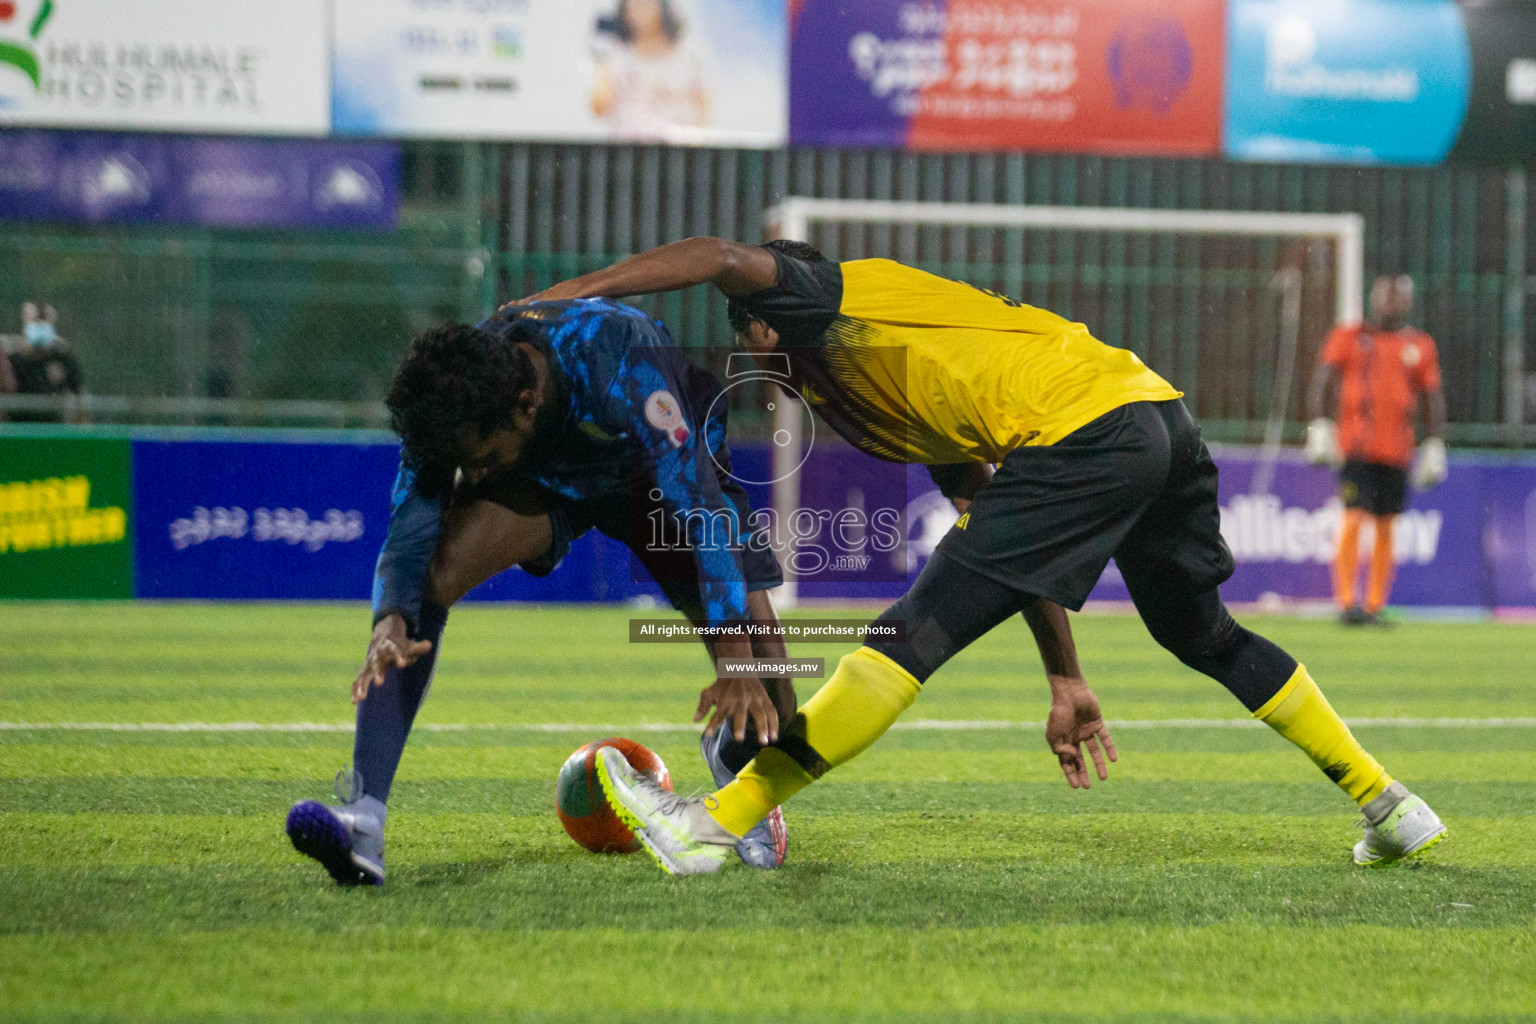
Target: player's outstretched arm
{"type": "Point", "coordinates": [390, 647]}
{"type": "Point", "coordinates": [734, 267]}
{"type": "Point", "coordinates": [1075, 720]}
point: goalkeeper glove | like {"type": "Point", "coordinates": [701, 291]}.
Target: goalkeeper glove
{"type": "Point", "coordinates": [1432, 467]}
{"type": "Point", "coordinates": [1323, 443]}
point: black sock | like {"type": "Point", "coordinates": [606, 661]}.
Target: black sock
{"type": "Point", "coordinates": [734, 753]}
{"type": "Point", "coordinates": [384, 719]}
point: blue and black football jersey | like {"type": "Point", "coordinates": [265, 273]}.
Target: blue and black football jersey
{"type": "Point", "coordinates": [626, 426]}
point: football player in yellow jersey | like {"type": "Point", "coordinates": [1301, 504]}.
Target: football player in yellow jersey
{"type": "Point", "coordinates": [1097, 458]}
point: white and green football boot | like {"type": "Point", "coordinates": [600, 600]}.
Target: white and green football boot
{"type": "Point", "coordinates": [676, 830]}
{"type": "Point", "coordinates": [1398, 825]}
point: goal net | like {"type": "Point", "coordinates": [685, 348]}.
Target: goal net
{"type": "Point", "coordinates": [1229, 306]}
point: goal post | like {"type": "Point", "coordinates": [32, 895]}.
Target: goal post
{"type": "Point", "coordinates": [807, 218]}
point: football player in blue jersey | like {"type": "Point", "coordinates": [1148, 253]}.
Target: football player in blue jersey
{"type": "Point", "coordinates": [518, 435]}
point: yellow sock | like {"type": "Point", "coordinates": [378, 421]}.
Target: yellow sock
{"type": "Point", "coordinates": [866, 694]}
{"type": "Point", "coordinates": [1301, 714]}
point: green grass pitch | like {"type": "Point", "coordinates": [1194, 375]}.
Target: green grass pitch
{"type": "Point", "coordinates": [945, 874]}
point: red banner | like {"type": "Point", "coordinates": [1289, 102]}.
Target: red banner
{"type": "Point", "coordinates": [1106, 76]}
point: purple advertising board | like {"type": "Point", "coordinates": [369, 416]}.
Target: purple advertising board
{"type": "Point", "coordinates": [1283, 537]}
{"type": "Point", "coordinates": [1509, 538]}
{"type": "Point", "coordinates": [96, 177]}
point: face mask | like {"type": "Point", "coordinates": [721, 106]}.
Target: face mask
{"type": "Point", "coordinates": [41, 333]}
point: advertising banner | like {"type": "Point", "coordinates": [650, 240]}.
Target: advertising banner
{"type": "Point", "coordinates": [172, 65]}
{"type": "Point", "coordinates": [66, 514]}
{"type": "Point", "coordinates": [1501, 118]}
{"type": "Point", "coordinates": [1345, 81]}
{"type": "Point", "coordinates": [1510, 502]}
{"type": "Point", "coordinates": [259, 519]}
{"type": "Point", "coordinates": [1284, 539]}
{"type": "Point", "coordinates": [1107, 76]}
{"type": "Point", "coordinates": [222, 182]}
{"type": "Point", "coordinates": [690, 72]}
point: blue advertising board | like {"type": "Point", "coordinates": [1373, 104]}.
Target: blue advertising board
{"type": "Point", "coordinates": [1345, 81]}
{"type": "Point", "coordinates": [96, 177]}
{"type": "Point", "coordinates": [253, 520]}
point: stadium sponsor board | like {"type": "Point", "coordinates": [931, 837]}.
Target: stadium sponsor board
{"type": "Point", "coordinates": [705, 72]}
{"type": "Point", "coordinates": [1501, 117]}
{"type": "Point", "coordinates": [1284, 539]}
{"type": "Point", "coordinates": [171, 65]}
{"type": "Point", "coordinates": [65, 513]}
{"type": "Point", "coordinates": [1110, 76]}
{"type": "Point", "coordinates": [259, 519]}
{"type": "Point", "coordinates": [284, 520]}
{"type": "Point", "coordinates": [1345, 81]}
{"type": "Point", "coordinates": [1509, 497]}
{"type": "Point", "coordinates": [220, 182]}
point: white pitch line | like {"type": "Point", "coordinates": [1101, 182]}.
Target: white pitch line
{"type": "Point", "coordinates": [921, 724]}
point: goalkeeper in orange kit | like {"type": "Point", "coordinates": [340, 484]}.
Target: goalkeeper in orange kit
{"type": "Point", "coordinates": [1383, 370]}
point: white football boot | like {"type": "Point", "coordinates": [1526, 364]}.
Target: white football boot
{"type": "Point", "coordinates": [676, 830]}
{"type": "Point", "coordinates": [1398, 825]}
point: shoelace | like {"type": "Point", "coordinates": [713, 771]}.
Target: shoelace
{"type": "Point", "coordinates": [666, 800]}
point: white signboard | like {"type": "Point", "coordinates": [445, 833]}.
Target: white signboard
{"type": "Point", "coordinates": [174, 65]}
{"type": "Point", "coordinates": [692, 72]}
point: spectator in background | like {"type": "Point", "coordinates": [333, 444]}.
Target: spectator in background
{"type": "Point", "coordinates": [44, 366]}
{"type": "Point", "coordinates": [651, 82]}
{"type": "Point", "coordinates": [1384, 371]}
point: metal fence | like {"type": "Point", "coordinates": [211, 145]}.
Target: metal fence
{"type": "Point", "coordinates": [191, 313]}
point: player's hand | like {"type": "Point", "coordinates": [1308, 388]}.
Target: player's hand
{"type": "Point", "coordinates": [1075, 720]}
{"type": "Point", "coordinates": [563, 290]}
{"type": "Point", "coordinates": [1432, 467]}
{"type": "Point", "coordinates": [1323, 443]}
{"type": "Point", "coordinates": [391, 647]}
{"type": "Point", "coordinates": [736, 700]}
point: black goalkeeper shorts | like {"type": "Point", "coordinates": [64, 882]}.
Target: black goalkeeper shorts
{"type": "Point", "coordinates": [1377, 488]}
{"type": "Point", "coordinates": [1137, 485]}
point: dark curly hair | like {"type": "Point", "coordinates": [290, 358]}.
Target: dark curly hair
{"type": "Point", "coordinates": [803, 251]}
{"type": "Point", "coordinates": [456, 376]}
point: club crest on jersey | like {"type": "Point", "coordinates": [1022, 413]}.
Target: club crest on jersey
{"type": "Point", "coordinates": [1411, 355]}
{"type": "Point", "coordinates": [663, 412]}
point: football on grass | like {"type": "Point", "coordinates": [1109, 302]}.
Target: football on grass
{"type": "Point", "coordinates": [579, 796]}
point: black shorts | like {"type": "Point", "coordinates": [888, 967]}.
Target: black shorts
{"type": "Point", "coordinates": [1137, 485]}
{"type": "Point", "coordinates": [1377, 488]}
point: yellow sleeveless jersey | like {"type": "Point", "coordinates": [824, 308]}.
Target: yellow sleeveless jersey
{"type": "Point", "coordinates": [912, 367]}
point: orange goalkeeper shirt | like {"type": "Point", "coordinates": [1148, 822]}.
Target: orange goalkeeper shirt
{"type": "Point", "coordinates": [1383, 373]}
